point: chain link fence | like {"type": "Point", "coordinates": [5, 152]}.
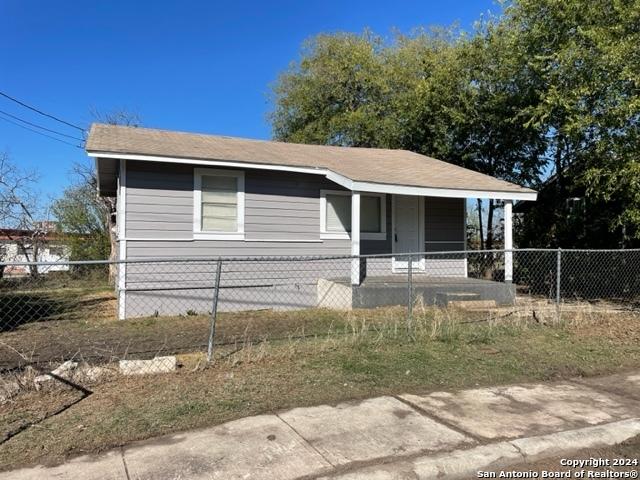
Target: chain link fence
{"type": "Point", "coordinates": [71, 316]}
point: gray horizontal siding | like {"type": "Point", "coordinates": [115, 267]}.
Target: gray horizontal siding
{"type": "Point", "coordinates": [159, 200]}
{"type": "Point", "coordinates": [278, 206]}
{"type": "Point", "coordinates": [243, 285]}
{"type": "Point", "coordinates": [210, 248]}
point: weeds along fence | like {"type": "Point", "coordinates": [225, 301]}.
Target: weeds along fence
{"type": "Point", "coordinates": [51, 313]}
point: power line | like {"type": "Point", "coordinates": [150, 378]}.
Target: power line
{"type": "Point", "coordinates": [40, 111]}
{"type": "Point", "coordinates": [40, 126]}
{"type": "Point", "coordinates": [38, 132]}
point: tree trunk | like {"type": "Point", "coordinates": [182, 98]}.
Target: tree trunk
{"type": "Point", "coordinates": [112, 230]}
{"type": "Point", "coordinates": [480, 230]}
{"type": "Point", "coordinates": [559, 164]}
{"type": "Point", "coordinates": [490, 224]}
{"type": "Point", "coordinates": [488, 273]}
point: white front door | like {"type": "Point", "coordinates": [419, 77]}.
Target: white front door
{"type": "Point", "coordinates": [408, 223]}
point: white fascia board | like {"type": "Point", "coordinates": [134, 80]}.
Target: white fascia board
{"type": "Point", "coordinates": [341, 180]}
{"type": "Point", "coordinates": [441, 192]}
{"type": "Point", "coordinates": [210, 163]}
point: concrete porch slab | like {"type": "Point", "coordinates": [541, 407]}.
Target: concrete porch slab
{"type": "Point", "coordinates": [255, 447]}
{"type": "Point", "coordinates": [384, 290]}
{"type": "Point", "coordinates": [524, 410]}
{"type": "Point", "coordinates": [371, 429]}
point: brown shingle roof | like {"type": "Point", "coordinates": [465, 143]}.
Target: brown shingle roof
{"type": "Point", "coordinates": [384, 166]}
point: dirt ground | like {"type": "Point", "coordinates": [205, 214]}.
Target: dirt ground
{"type": "Point", "coordinates": [87, 330]}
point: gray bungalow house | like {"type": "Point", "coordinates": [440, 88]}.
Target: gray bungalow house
{"type": "Point", "coordinates": [192, 195]}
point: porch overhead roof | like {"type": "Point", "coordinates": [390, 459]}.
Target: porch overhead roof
{"type": "Point", "coordinates": [364, 169]}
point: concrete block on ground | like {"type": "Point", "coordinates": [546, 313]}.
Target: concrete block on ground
{"type": "Point", "coordinates": [334, 295]}
{"type": "Point", "coordinates": [524, 410]}
{"type": "Point", "coordinates": [143, 367]}
{"type": "Point", "coordinates": [65, 370]}
{"type": "Point", "coordinates": [371, 429]}
{"type": "Point", "coordinates": [94, 374]}
{"type": "Point", "coordinates": [90, 467]}
{"type": "Point", "coordinates": [261, 447]}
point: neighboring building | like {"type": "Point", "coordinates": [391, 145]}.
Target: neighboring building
{"type": "Point", "coordinates": [191, 195]}
{"type": "Point", "coordinates": [28, 246]}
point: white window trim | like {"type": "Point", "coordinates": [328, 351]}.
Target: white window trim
{"type": "Point", "coordinates": [328, 235]}
{"type": "Point", "coordinates": [198, 233]}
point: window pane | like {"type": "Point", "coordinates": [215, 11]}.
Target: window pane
{"type": "Point", "coordinates": [221, 197]}
{"type": "Point", "coordinates": [219, 204]}
{"type": "Point", "coordinates": [219, 218]}
{"type": "Point", "coordinates": [229, 184]}
{"type": "Point", "coordinates": [370, 214]}
{"type": "Point", "coordinates": [338, 213]}
{"type": "Point", "coordinates": [219, 189]}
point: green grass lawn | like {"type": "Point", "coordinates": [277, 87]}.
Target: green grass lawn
{"type": "Point", "coordinates": [276, 375]}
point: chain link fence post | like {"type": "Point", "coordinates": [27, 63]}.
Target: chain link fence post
{"type": "Point", "coordinates": [214, 310]}
{"type": "Point", "coordinates": [558, 281]}
{"type": "Point", "coordinates": [410, 295]}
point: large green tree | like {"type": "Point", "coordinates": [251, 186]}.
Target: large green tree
{"type": "Point", "coordinates": [439, 93]}
{"type": "Point", "coordinates": [82, 217]}
{"type": "Point", "coordinates": [582, 57]}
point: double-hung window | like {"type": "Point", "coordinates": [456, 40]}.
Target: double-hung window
{"type": "Point", "coordinates": [335, 215]}
{"type": "Point", "coordinates": [218, 204]}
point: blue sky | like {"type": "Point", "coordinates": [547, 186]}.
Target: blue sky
{"type": "Point", "coordinates": [202, 66]}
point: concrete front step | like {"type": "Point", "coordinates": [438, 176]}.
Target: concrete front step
{"type": "Point", "coordinates": [473, 304]}
{"type": "Point", "coordinates": [463, 300]}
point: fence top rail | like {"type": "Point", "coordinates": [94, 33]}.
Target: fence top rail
{"type": "Point", "coordinates": [302, 258]}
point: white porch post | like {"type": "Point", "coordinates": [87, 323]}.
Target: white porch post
{"type": "Point", "coordinates": [121, 219]}
{"type": "Point", "coordinates": [508, 240]}
{"type": "Point", "coordinates": [355, 237]}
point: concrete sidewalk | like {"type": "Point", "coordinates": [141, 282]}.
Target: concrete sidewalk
{"type": "Point", "coordinates": [442, 434]}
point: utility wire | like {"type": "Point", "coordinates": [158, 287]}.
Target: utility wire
{"type": "Point", "coordinates": [40, 111]}
{"type": "Point", "coordinates": [40, 126]}
{"type": "Point", "coordinates": [38, 132]}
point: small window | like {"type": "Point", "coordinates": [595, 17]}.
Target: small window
{"type": "Point", "coordinates": [338, 213]}
{"type": "Point", "coordinates": [335, 215]}
{"type": "Point", "coordinates": [370, 218]}
{"type": "Point", "coordinates": [218, 204]}
{"type": "Point", "coordinates": [373, 216]}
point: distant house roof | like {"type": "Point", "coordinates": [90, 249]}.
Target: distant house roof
{"type": "Point", "coordinates": [365, 169]}
{"type": "Point", "coordinates": [13, 234]}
